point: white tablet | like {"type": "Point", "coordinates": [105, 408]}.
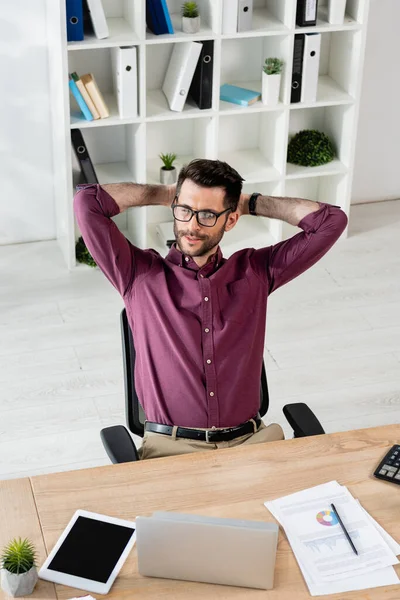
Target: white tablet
{"type": "Point", "coordinates": [90, 552]}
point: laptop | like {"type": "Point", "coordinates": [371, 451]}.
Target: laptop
{"type": "Point", "coordinates": [207, 549]}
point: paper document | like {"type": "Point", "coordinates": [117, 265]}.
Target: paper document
{"type": "Point", "coordinates": [325, 556]}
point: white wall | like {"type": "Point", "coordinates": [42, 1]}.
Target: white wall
{"type": "Point", "coordinates": [377, 168]}
{"type": "Point", "coordinates": [26, 190]}
{"type": "Point", "coordinates": [27, 208]}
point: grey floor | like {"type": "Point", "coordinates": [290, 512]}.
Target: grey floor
{"type": "Point", "coordinates": [333, 341]}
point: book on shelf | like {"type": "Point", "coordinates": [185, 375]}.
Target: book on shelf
{"type": "Point", "coordinates": [79, 99]}
{"type": "Point", "coordinates": [229, 16]}
{"type": "Point", "coordinates": [179, 74]}
{"type": "Point", "coordinates": [297, 68]}
{"type": "Point", "coordinates": [158, 19]}
{"type": "Point", "coordinates": [311, 55]}
{"type": "Point", "coordinates": [245, 15]}
{"type": "Point", "coordinates": [85, 95]}
{"type": "Point", "coordinates": [201, 87]}
{"type": "Point", "coordinates": [95, 94]}
{"type": "Point", "coordinates": [238, 95]}
{"type": "Point", "coordinates": [124, 63]}
{"type": "Point", "coordinates": [306, 13]}
{"type": "Point", "coordinates": [74, 16]}
{"type": "Point", "coordinates": [83, 158]}
{"type": "Point", "coordinates": [98, 18]}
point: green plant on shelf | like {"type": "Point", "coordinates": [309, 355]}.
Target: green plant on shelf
{"type": "Point", "coordinates": [168, 160]}
{"type": "Point", "coordinates": [273, 66]}
{"type": "Point", "coordinates": [19, 556]}
{"type": "Point", "coordinates": [310, 148]}
{"type": "Point", "coordinates": [190, 10]}
{"type": "Point", "coordinates": [83, 255]}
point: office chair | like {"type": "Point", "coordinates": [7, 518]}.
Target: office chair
{"type": "Point", "coordinates": [119, 444]}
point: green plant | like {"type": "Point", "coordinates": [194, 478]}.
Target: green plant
{"type": "Point", "coordinates": [19, 556]}
{"type": "Point", "coordinates": [82, 253]}
{"type": "Point", "coordinates": [168, 160]}
{"type": "Point", "coordinates": [310, 148]}
{"type": "Point", "coordinates": [190, 10]}
{"type": "Point", "coordinates": [273, 66]}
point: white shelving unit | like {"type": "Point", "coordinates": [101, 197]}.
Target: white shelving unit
{"type": "Point", "coordinates": [252, 139]}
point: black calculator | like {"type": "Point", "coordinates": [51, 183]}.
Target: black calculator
{"type": "Point", "coordinates": [389, 467]}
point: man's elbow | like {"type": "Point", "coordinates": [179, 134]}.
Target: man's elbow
{"type": "Point", "coordinates": [341, 221]}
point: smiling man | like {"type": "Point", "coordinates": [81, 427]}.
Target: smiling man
{"type": "Point", "coordinates": [198, 319]}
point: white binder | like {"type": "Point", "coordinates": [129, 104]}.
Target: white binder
{"type": "Point", "coordinates": [124, 65]}
{"type": "Point", "coordinates": [245, 15]}
{"type": "Point", "coordinates": [98, 18]}
{"type": "Point", "coordinates": [229, 16]}
{"type": "Point", "coordinates": [311, 55]}
{"type": "Point", "coordinates": [180, 71]}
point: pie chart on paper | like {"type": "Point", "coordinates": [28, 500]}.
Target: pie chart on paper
{"type": "Point", "coordinates": [327, 517]}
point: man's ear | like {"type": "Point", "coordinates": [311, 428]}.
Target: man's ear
{"type": "Point", "coordinates": [231, 221]}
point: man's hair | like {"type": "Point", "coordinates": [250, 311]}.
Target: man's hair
{"type": "Point", "coordinates": [213, 173]}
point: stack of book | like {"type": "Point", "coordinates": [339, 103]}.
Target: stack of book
{"type": "Point", "coordinates": [85, 17]}
{"type": "Point", "coordinates": [158, 18]}
{"type": "Point", "coordinates": [88, 96]}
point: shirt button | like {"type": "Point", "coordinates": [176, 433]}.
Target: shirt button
{"type": "Point", "coordinates": [208, 361]}
{"type": "Point", "coordinates": [201, 275]}
{"type": "Point", "coordinates": [207, 330]}
{"type": "Point", "coordinates": [187, 258]}
{"type": "Point", "coordinates": [211, 393]}
{"type": "Point", "coordinates": [206, 299]}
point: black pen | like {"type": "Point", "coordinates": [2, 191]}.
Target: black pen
{"type": "Point", "coordinates": [343, 528]}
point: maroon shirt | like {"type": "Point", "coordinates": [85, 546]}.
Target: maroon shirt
{"type": "Point", "coordinates": [199, 332]}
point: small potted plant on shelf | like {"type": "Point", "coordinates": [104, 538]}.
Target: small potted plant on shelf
{"type": "Point", "coordinates": [310, 148]}
{"type": "Point", "coordinates": [18, 568]}
{"type": "Point", "coordinates": [271, 81]}
{"type": "Point", "coordinates": [190, 17]}
{"type": "Point", "coordinates": [168, 173]}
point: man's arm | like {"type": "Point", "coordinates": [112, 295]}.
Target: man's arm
{"type": "Point", "coordinates": [322, 226]}
{"type": "Point", "coordinates": [94, 206]}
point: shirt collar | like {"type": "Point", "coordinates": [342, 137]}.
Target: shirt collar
{"type": "Point", "coordinates": [179, 258]}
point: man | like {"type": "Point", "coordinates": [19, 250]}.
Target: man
{"type": "Point", "coordinates": [198, 320]}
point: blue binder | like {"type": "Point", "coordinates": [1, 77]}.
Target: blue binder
{"type": "Point", "coordinates": [151, 18]}
{"type": "Point", "coordinates": [167, 17]}
{"type": "Point", "coordinates": [161, 17]}
{"type": "Point", "coordinates": [74, 20]}
{"type": "Point", "coordinates": [79, 98]}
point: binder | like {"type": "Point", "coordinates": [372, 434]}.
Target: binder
{"type": "Point", "coordinates": [180, 73]}
{"type": "Point", "coordinates": [201, 86]}
{"type": "Point", "coordinates": [311, 54]}
{"type": "Point", "coordinates": [79, 98]}
{"type": "Point", "coordinates": [306, 13]}
{"type": "Point", "coordinates": [158, 13]}
{"type": "Point", "coordinates": [82, 155]}
{"type": "Point", "coordinates": [74, 20]}
{"type": "Point", "coordinates": [98, 19]}
{"type": "Point", "coordinates": [297, 69]}
{"type": "Point", "coordinates": [95, 94]}
{"type": "Point", "coordinates": [230, 16]}
{"type": "Point", "coordinates": [238, 95]}
{"type": "Point", "coordinates": [124, 65]}
{"type": "Point", "coordinates": [167, 17]}
{"type": "Point", "coordinates": [85, 95]}
{"type": "Point", "coordinates": [151, 19]}
{"type": "Point", "coordinates": [245, 15]}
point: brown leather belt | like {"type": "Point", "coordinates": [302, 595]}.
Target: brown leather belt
{"type": "Point", "coordinates": [208, 435]}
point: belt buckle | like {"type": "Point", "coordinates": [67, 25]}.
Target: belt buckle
{"type": "Point", "coordinates": [208, 431]}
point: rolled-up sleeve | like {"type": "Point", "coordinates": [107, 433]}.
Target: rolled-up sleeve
{"type": "Point", "coordinates": [284, 261]}
{"type": "Point", "coordinates": [119, 260]}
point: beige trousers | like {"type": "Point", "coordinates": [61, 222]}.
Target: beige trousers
{"type": "Point", "coordinates": [156, 445]}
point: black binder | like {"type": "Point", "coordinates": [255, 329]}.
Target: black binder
{"type": "Point", "coordinates": [201, 87]}
{"type": "Point", "coordinates": [83, 157]}
{"type": "Point", "coordinates": [306, 14]}
{"type": "Point", "coordinates": [297, 69]}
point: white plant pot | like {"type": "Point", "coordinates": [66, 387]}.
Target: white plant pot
{"type": "Point", "coordinates": [336, 11]}
{"type": "Point", "coordinates": [270, 88]}
{"type": "Point", "coordinates": [190, 25]}
{"type": "Point", "coordinates": [168, 176]}
{"type": "Point", "coordinates": [19, 585]}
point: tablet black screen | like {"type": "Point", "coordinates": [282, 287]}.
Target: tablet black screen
{"type": "Point", "coordinates": [91, 549]}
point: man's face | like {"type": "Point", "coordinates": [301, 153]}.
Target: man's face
{"type": "Point", "coordinates": [194, 239]}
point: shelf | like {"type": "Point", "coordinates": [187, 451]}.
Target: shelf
{"type": "Point", "coordinates": [205, 33]}
{"type": "Point", "coordinates": [323, 26]}
{"type": "Point", "coordinates": [249, 232]}
{"type": "Point", "coordinates": [117, 172]}
{"type": "Point", "coordinates": [78, 120]}
{"type": "Point", "coordinates": [329, 92]}
{"type": "Point", "coordinates": [335, 167]}
{"type": "Point", "coordinates": [264, 23]}
{"type": "Point", "coordinates": [230, 108]}
{"type": "Point", "coordinates": [121, 34]}
{"type": "Point", "coordinates": [157, 108]}
{"type": "Point", "coordinates": [251, 164]}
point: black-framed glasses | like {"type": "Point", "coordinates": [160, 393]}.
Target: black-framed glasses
{"type": "Point", "coordinates": [206, 218]}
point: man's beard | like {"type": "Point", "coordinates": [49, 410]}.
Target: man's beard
{"type": "Point", "coordinates": [207, 242]}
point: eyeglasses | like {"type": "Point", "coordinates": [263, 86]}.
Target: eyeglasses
{"type": "Point", "coordinates": [206, 218]}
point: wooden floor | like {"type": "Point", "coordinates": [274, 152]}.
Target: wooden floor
{"type": "Point", "coordinates": [333, 341]}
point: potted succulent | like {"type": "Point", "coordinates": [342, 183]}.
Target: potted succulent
{"type": "Point", "coordinates": [18, 568]}
{"type": "Point", "coordinates": [168, 173]}
{"type": "Point", "coordinates": [271, 80]}
{"type": "Point", "coordinates": [310, 148]}
{"type": "Point", "coordinates": [190, 17]}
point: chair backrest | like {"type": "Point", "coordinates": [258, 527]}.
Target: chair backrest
{"type": "Point", "coordinates": [135, 416]}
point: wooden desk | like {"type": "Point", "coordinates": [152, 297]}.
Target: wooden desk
{"type": "Point", "coordinates": [228, 483]}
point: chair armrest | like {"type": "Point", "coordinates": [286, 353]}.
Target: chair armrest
{"type": "Point", "coordinates": [302, 420]}
{"type": "Point", "coordinates": [118, 444]}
